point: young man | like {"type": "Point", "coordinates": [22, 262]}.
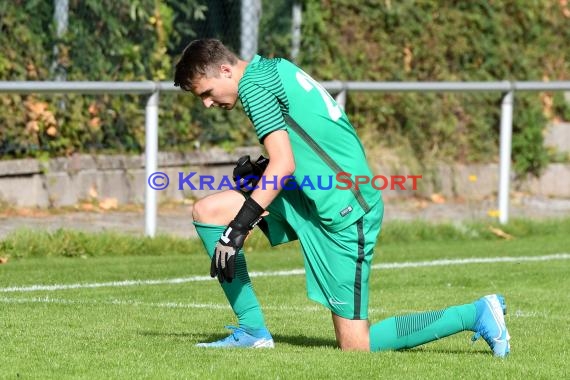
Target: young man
{"type": "Point", "coordinates": [308, 136]}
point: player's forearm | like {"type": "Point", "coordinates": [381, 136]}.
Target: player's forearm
{"type": "Point", "coordinates": [275, 176]}
{"type": "Point", "coordinates": [281, 166]}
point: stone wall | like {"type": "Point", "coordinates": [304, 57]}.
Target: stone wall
{"type": "Point", "coordinates": [79, 178]}
{"type": "Point", "coordinates": [557, 137]}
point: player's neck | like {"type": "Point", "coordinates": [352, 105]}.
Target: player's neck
{"type": "Point", "coordinates": [239, 69]}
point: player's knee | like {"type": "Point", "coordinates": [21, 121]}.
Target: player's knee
{"type": "Point", "coordinates": [351, 335]}
{"type": "Point", "coordinates": [354, 345]}
{"type": "Point", "coordinates": [219, 208]}
{"type": "Point", "coordinates": [203, 210]}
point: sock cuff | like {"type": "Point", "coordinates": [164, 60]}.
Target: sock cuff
{"type": "Point", "coordinates": [207, 225]}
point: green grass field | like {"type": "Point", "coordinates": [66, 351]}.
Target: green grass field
{"type": "Point", "coordinates": [93, 323]}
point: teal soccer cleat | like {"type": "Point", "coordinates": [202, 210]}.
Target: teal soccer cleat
{"type": "Point", "coordinates": [490, 324]}
{"type": "Point", "coordinates": [242, 338]}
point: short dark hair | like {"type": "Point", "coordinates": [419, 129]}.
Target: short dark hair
{"type": "Point", "coordinates": [201, 58]}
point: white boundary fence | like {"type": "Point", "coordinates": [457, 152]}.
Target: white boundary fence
{"type": "Point", "coordinates": [153, 89]}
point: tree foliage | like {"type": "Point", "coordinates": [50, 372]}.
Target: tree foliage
{"type": "Point", "coordinates": [428, 40]}
{"type": "Point", "coordinates": [373, 40]}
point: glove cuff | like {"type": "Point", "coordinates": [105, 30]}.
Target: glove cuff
{"type": "Point", "coordinates": [247, 173]}
{"type": "Point", "coordinates": [249, 215]}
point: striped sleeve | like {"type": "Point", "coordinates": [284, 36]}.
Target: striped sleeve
{"type": "Point", "coordinates": [263, 109]}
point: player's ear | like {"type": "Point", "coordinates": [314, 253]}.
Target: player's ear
{"type": "Point", "coordinates": [225, 70]}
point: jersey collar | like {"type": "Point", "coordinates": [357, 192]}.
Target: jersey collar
{"type": "Point", "coordinates": [256, 58]}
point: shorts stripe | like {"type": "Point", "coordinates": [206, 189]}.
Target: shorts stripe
{"type": "Point", "coordinates": [358, 274]}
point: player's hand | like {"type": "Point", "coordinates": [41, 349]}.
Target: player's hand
{"type": "Point", "coordinates": [227, 248]}
{"type": "Point", "coordinates": [226, 251]}
{"type": "Point", "coordinates": [247, 173]}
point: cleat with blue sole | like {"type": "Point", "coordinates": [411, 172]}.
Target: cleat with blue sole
{"type": "Point", "coordinates": [490, 324]}
{"type": "Point", "coordinates": [243, 338]}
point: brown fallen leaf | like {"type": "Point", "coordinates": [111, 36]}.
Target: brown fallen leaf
{"type": "Point", "coordinates": [35, 108]}
{"type": "Point", "coordinates": [500, 233]}
{"type": "Point", "coordinates": [51, 131]}
{"type": "Point", "coordinates": [87, 207]}
{"type": "Point", "coordinates": [3, 260]}
{"type": "Point", "coordinates": [437, 198]}
{"type": "Point", "coordinates": [109, 204]}
{"type": "Point", "coordinates": [93, 192]}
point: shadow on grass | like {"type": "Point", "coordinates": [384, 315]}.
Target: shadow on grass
{"type": "Point", "coordinates": [304, 341]}
{"type": "Point", "coordinates": [299, 340]}
{"type": "Point", "coordinates": [164, 334]}
{"type": "Point", "coordinates": [311, 342]}
{"type": "Point", "coordinates": [438, 351]}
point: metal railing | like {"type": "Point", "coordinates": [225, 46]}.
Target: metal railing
{"type": "Point", "coordinates": [340, 88]}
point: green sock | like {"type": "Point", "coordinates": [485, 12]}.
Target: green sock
{"type": "Point", "coordinates": [412, 330]}
{"type": "Point", "coordinates": [239, 292]}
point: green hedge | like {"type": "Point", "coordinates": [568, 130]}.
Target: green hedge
{"type": "Point", "coordinates": [113, 40]}
{"type": "Point", "coordinates": [342, 39]}
{"type": "Point", "coordinates": [444, 41]}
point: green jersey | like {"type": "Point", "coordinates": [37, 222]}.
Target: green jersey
{"type": "Point", "coordinates": [278, 95]}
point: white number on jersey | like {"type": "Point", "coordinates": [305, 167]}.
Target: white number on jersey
{"type": "Point", "coordinates": [309, 83]}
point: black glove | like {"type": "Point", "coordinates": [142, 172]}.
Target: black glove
{"type": "Point", "coordinates": [231, 241]}
{"type": "Point", "coordinates": [223, 261]}
{"type": "Point", "coordinates": [247, 173]}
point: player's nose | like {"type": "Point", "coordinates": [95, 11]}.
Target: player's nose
{"type": "Point", "coordinates": [207, 102]}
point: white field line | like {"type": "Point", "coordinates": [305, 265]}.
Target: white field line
{"type": "Point", "coordinates": [162, 305]}
{"type": "Point", "coordinates": [293, 272]}
{"type": "Point", "coordinates": [212, 306]}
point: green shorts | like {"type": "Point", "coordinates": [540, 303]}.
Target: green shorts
{"type": "Point", "coordinates": [337, 264]}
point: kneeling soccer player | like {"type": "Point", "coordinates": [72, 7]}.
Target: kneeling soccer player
{"type": "Point", "coordinates": [307, 135]}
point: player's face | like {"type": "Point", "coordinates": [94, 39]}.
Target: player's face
{"type": "Point", "coordinates": [216, 90]}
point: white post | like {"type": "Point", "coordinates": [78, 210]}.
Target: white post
{"type": "Point", "coordinates": [151, 152]}
{"type": "Point", "coordinates": [61, 16]}
{"type": "Point", "coordinates": [296, 30]}
{"type": "Point", "coordinates": [505, 152]}
{"type": "Point", "coordinates": [250, 15]}
{"type": "Point", "coordinates": [341, 99]}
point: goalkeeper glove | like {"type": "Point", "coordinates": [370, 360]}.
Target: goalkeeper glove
{"type": "Point", "coordinates": [231, 241]}
{"type": "Point", "coordinates": [247, 173]}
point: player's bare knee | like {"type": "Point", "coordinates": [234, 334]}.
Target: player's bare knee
{"type": "Point", "coordinates": [217, 208]}
{"type": "Point", "coordinates": [203, 210]}
{"type": "Point", "coordinates": [353, 345]}
{"type": "Point", "coordinates": [355, 342]}
{"type": "Point", "coordinates": [351, 335]}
